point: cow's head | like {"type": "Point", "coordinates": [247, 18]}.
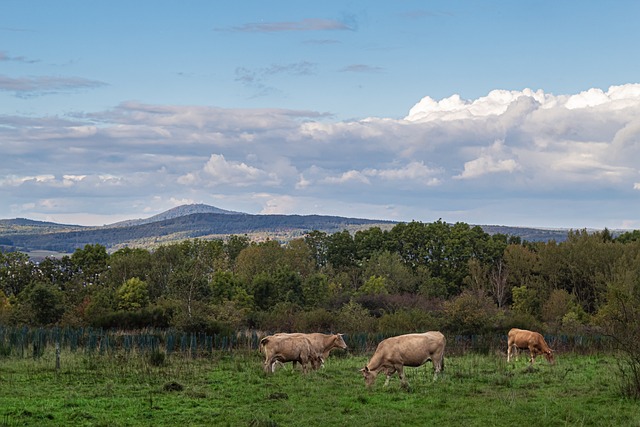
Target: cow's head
{"type": "Point", "coordinates": [339, 342]}
{"type": "Point", "coordinates": [549, 356]}
{"type": "Point", "coordinates": [369, 376]}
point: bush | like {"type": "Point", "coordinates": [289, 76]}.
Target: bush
{"type": "Point", "coordinates": [408, 321]}
{"type": "Point", "coordinates": [153, 317]}
{"type": "Point", "coordinates": [470, 313]}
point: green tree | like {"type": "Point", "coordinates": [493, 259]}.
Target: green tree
{"type": "Point", "coordinates": [341, 250]}
{"type": "Point", "coordinates": [298, 256]}
{"type": "Point", "coordinates": [44, 304]}
{"type": "Point", "coordinates": [526, 301]}
{"type": "Point", "coordinates": [91, 262]}
{"type": "Point", "coordinates": [189, 280]}
{"type": "Point", "coordinates": [262, 258]}
{"type": "Point", "coordinates": [374, 285]}
{"type": "Point", "coordinates": [100, 303]}
{"type": "Point", "coordinates": [315, 290]}
{"type": "Point", "coordinates": [318, 243]}
{"type": "Point", "coordinates": [224, 286]}
{"type": "Point", "coordinates": [234, 245]}
{"type": "Point", "coordinates": [369, 242]}
{"type": "Point", "coordinates": [581, 266]}
{"type": "Point", "coordinates": [628, 237]}
{"type": "Point", "coordinates": [56, 271]}
{"type": "Point", "coordinates": [16, 272]}
{"type": "Point", "coordinates": [620, 316]}
{"type": "Point", "coordinates": [353, 317]}
{"type": "Point", "coordinates": [133, 295]}
{"type": "Point", "coordinates": [128, 263]}
{"type": "Point", "coordinates": [398, 277]}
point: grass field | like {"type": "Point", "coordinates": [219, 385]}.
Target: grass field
{"type": "Point", "coordinates": [230, 389]}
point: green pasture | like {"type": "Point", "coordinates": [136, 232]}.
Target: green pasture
{"type": "Point", "coordinates": [229, 389]}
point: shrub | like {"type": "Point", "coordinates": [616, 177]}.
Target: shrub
{"type": "Point", "coordinates": [408, 321]}
{"type": "Point", "coordinates": [470, 313]}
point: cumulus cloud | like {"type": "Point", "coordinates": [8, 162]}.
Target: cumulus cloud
{"type": "Point", "coordinates": [490, 160]}
{"type": "Point", "coordinates": [415, 172]}
{"type": "Point", "coordinates": [347, 177]}
{"type": "Point", "coordinates": [219, 171]}
{"type": "Point", "coordinates": [524, 142]}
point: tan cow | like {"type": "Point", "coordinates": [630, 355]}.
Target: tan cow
{"type": "Point", "coordinates": [322, 343]}
{"type": "Point", "coordinates": [523, 339]}
{"type": "Point", "coordinates": [393, 354]}
{"type": "Point", "coordinates": [297, 349]}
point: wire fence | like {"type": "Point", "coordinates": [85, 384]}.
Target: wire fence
{"type": "Point", "coordinates": [33, 342]}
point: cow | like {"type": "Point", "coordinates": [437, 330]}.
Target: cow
{"type": "Point", "coordinates": [288, 349]}
{"type": "Point", "coordinates": [393, 354]}
{"type": "Point", "coordinates": [322, 344]}
{"type": "Point", "coordinates": [523, 339]}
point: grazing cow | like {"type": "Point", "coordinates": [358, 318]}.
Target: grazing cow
{"type": "Point", "coordinates": [322, 344]}
{"type": "Point", "coordinates": [288, 349]}
{"type": "Point", "coordinates": [523, 339]}
{"type": "Point", "coordinates": [393, 354]}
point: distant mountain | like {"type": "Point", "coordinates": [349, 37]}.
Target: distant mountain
{"type": "Point", "coordinates": [24, 222]}
{"type": "Point", "coordinates": [529, 234]}
{"type": "Point", "coordinates": [205, 222]}
{"type": "Point", "coordinates": [176, 212]}
{"type": "Point", "coordinates": [155, 230]}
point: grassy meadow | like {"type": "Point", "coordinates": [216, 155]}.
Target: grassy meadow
{"type": "Point", "coordinates": [230, 389]}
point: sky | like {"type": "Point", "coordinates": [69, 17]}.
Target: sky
{"type": "Point", "coordinates": [518, 113]}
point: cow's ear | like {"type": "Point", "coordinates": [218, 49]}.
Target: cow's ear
{"type": "Point", "coordinates": [365, 369]}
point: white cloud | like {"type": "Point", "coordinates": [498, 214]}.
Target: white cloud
{"type": "Point", "coordinates": [522, 142]}
{"type": "Point", "coordinates": [219, 171]}
{"type": "Point", "coordinates": [346, 177]}
{"type": "Point", "coordinates": [414, 171]}
{"type": "Point", "coordinates": [16, 181]}
{"type": "Point", "coordinates": [491, 160]}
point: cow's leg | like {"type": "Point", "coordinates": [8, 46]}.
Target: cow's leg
{"type": "Point", "coordinates": [532, 353]}
{"type": "Point", "coordinates": [403, 380]}
{"type": "Point", "coordinates": [438, 366]}
{"type": "Point", "coordinates": [509, 349]}
{"type": "Point", "coordinates": [388, 372]}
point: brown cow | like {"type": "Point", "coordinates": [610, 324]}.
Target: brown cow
{"type": "Point", "coordinates": [288, 349]}
{"type": "Point", "coordinates": [523, 339]}
{"type": "Point", "coordinates": [394, 353]}
{"type": "Point", "coordinates": [322, 344]}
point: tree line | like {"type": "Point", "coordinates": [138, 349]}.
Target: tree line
{"type": "Point", "coordinates": [413, 277]}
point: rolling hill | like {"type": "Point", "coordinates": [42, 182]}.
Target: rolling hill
{"type": "Point", "coordinates": [184, 222]}
{"type": "Point", "coordinates": [199, 221]}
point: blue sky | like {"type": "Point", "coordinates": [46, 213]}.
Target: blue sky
{"type": "Point", "coordinates": [487, 112]}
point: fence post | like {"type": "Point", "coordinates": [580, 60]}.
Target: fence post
{"type": "Point", "coordinates": [57, 356]}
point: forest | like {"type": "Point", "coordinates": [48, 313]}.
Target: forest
{"type": "Point", "coordinates": [413, 277]}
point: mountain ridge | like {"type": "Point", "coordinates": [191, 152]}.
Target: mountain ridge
{"type": "Point", "coordinates": [176, 212]}
{"type": "Point", "coordinates": [206, 222]}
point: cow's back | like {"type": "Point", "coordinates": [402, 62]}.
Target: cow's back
{"type": "Point", "coordinates": [411, 349]}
